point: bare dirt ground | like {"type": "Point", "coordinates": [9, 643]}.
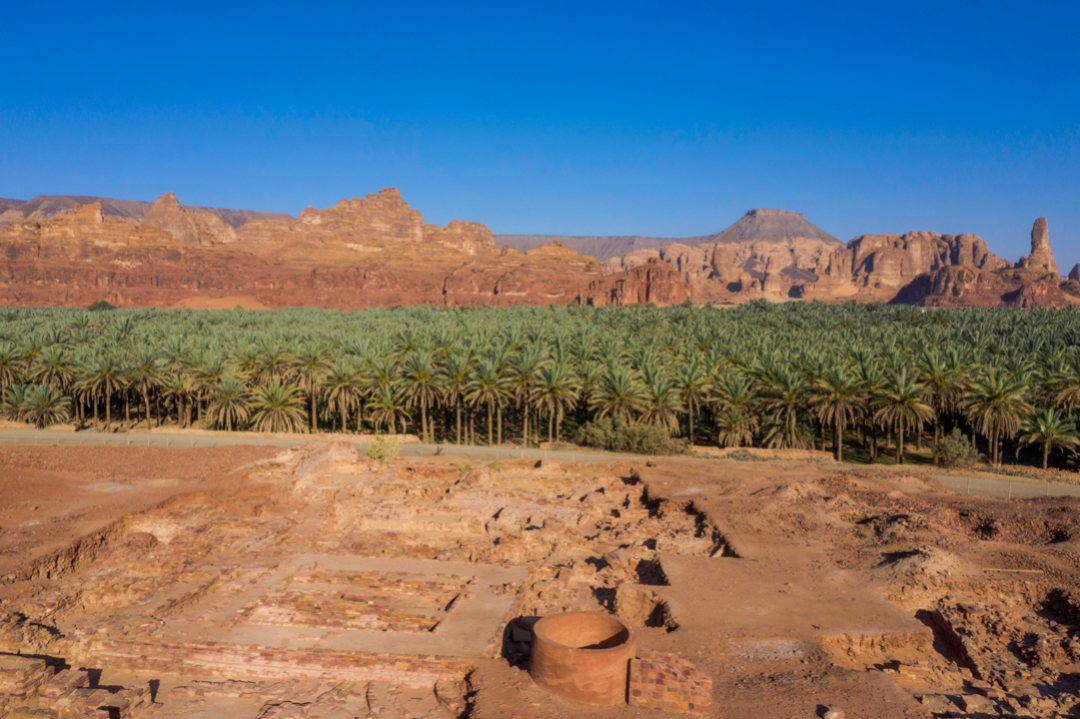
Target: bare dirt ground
{"type": "Point", "coordinates": [255, 582]}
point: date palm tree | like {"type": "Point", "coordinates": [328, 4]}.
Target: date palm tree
{"type": "Point", "coordinates": [230, 403]}
{"type": "Point", "coordinates": [10, 366]}
{"type": "Point", "coordinates": [836, 403]}
{"type": "Point", "coordinates": [489, 387]}
{"type": "Point", "coordinates": [278, 407]}
{"type": "Point", "coordinates": [904, 402]}
{"type": "Point", "coordinates": [102, 379]}
{"type": "Point", "coordinates": [421, 385]}
{"type": "Point", "coordinates": [386, 407]}
{"type": "Point", "coordinates": [147, 376]}
{"type": "Point", "coordinates": [345, 389]}
{"type": "Point", "coordinates": [310, 367]}
{"type": "Point", "coordinates": [692, 383]}
{"type": "Point", "coordinates": [46, 405]}
{"type": "Point", "coordinates": [556, 391]}
{"type": "Point", "coordinates": [1052, 430]}
{"type": "Point", "coordinates": [619, 393]}
{"type": "Point", "coordinates": [786, 393]}
{"type": "Point", "coordinates": [996, 406]}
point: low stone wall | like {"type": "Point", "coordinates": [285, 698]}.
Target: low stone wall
{"type": "Point", "coordinates": [237, 660]}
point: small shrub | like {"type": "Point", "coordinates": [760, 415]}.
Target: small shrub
{"type": "Point", "coordinates": [463, 470]}
{"type": "Point", "coordinates": [955, 450]}
{"type": "Point", "coordinates": [384, 449]}
{"type": "Point", "coordinates": [494, 467]}
{"type": "Point", "coordinates": [101, 305]}
{"type": "Point", "coordinates": [620, 435]}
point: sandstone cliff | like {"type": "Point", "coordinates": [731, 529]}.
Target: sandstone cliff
{"type": "Point", "coordinates": [1074, 273]}
{"type": "Point", "coordinates": [187, 225]}
{"type": "Point", "coordinates": [1033, 282]}
{"type": "Point", "coordinates": [360, 253]}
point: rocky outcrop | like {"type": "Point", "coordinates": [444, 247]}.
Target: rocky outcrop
{"type": "Point", "coordinates": [654, 282]}
{"type": "Point", "coordinates": [1074, 273]}
{"type": "Point", "coordinates": [1041, 258]}
{"type": "Point", "coordinates": [45, 207]}
{"type": "Point", "coordinates": [1034, 282]}
{"type": "Point", "coordinates": [363, 253]}
{"type": "Point", "coordinates": [186, 225]}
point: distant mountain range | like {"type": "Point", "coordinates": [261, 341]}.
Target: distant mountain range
{"type": "Point", "coordinates": [763, 224]}
{"type": "Point", "coordinates": [43, 207]}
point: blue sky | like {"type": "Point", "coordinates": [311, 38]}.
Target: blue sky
{"type": "Point", "coordinates": [663, 119]}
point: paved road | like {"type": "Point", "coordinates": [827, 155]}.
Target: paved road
{"type": "Point", "coordinates": [967, 485]}
{"type": "Point", "coordinates": [1007, 487]}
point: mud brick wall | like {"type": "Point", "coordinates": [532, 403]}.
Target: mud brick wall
{"type": "Point", "coordinates": [951, 624]}
{"type": "Point", "coordinates": [236, 660]}
{"type": "Point", "coordinates": [20, 677]}
{"type": "Point", "coordinates": [665, 682]}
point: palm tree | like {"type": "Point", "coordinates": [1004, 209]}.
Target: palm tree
{"type": "Point", "coordinates": [556, 390]}
{"type": "Point", "coordinates": [103, 378]}
{"type": "Point", "coordinates": [456, 377]}
{"type": "Point", "coordinates": [903, 403]}
{"type": "Point", "coordinates": [1050, 429]}
{"type": "Point", "coordinates": [421, 385]}
{"type": "Point", "coordinates": [523, 374]}
{"type": "Point", "coordinates": [275, 362]}
{"type": "Point", "coordinates": [53, 366]}
{"type": "Point", "coordinates": [344, 389]}
{"type": "Point", "coordinates": [735, 426]}
{"type": "Point", "coordinates": [786, 392]}
{"type": "Point", "coordinates": [15, 397]}
{"type": "Point", "coordinates": [310, 367]}
{"type": "Point", "coordinates": [278, 407]}
{"type": "Point", "coordinates": [46, 405]}
{"type": "Point", "coordinates": [179, 388]}
{"type": "Point", "coordinates": [147, 376]}
{"type": "Point", "coordinates": [386, 407]}
{"type": "Point", "coordinates": [10, 366]}
{"type": "Point", "coordinates": [619, 393]}
{"type": "Point", "coordinates": [836, 402]}
{"type": "Point", "coordinates": [996, 405]}
{"type": "Point", "coordinates": [230, 403]}
{"type": "Point", "coordinates": [489, 388]}
{"type": "Point", "coordinates": [662, 400]}
{"type": "Point", "coordinates": [692, 384]}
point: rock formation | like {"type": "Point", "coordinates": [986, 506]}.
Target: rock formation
{"type": "Point", "coordinates": [44, 207]}
{"type": "Point", "coordinates": [1041, 258]}
{"type": "Point", "coordinates": [654, 282]}
{"type": "Point", "coordinates": [361, 253]}
{"type": "Point", "coordinates": [187, 225]}
{"type": "Point", "coordinates": [1074, 273]}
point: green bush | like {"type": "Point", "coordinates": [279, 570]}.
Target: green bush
{"type": "Point", "coordinates": [955, 450]}
{"type": "Point", "coordinates": [101, 305]}
{"type": "Point", "coordinates": [383, 449]}
{"type": "Point", "coordinates": [619, 435]}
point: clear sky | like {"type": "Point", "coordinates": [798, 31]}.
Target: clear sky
{"type": "Point", "coordinates": [664, 119]}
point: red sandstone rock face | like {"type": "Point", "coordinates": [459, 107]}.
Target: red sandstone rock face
{"type": "Point", "coordinates": [362, 253]}
{"type": "Point", "coordinates": [654, 282]}
{"type": "Point", "coordinates": [1041, 258]}
{"type": "Point", "coordinates": [185, 225]}
{"type": "Point", "coordinates": [1074, 273]}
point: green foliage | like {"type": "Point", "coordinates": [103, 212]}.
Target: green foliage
{"type": "Point", "coordinates": [101, 305]}
{"type": "Point", "coordinates": [617, 434]}
{"type": "Point", "coordinates": [955, 450]}
{"type": "Point", "coordinates": [463, 470]}
{"type": "Point", "coordinates": [384, 449]}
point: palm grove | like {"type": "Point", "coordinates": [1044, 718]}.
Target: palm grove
{"type": "Point", "coordinates": [801, 375]}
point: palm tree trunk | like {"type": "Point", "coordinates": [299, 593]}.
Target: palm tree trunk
{"type": "Point", "coordinates": [127, 408]}
{"type": "Point", "coordinates": [900, 441]}
{"type": "Point", "coordinates": [146, 404]}
{"type": "Point", "coordinates": [1046, 454]}
{"type": "Point", "coordinates": [791, 428]}
{"type": "Point", "coordinates": [551, 425]}
{"type": "Point", "coordinates": [525, 423]}
{"type": "Point", "coordinates": [457, 408]}
{"type": "Point", "coordinates": [108, 411]}
{"type": "Point", "coordinates": [498, 412]}
{"type": "Point", "coordinates": [490, 427]}
{"type": "Point", "coordinates": [691, 403]}
{"type": "Point", "coordinates": [558, 425]}
{"type": "Point", "coordinates": [839, 440]}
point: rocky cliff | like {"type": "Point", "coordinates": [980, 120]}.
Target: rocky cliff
{"type": "Point", "coordinates": [360, 253]}
{"type": "Point", "coordinates": [44, 207]}
{"type": "Point", "coordinates": [1034, 281]}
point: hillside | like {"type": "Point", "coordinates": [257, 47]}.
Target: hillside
{"type": "Point", "coordinates": [44, 207]}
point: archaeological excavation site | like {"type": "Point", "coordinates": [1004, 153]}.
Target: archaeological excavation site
{"type": "Point", "coordinates": [314, 583]}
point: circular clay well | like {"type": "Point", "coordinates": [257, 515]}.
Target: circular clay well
{"type": "Point", "coordinates": [583, 656]}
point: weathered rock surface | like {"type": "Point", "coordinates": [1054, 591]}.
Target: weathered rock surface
{"type": "Point", "coordinates": [187, 225]}
{"type": "Point", "coordinates": [654, 282]}
{"type": "Point", "coordinates": [361, 253]}
{"type": "Point", "coordinates": [1074, 273]}
{"type": "Point", "coordinates": [1041, 257]}
{"type": "Point", "coordinates": [44, 207]}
